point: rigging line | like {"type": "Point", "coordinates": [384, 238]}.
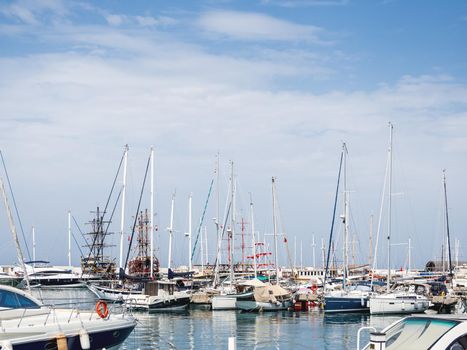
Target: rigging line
{"type": "Point", "coordinates": [111, 216]}
{"type": "Point", "coordinates": [137, 211]}
{"type": "Point", "coordinates": [16, 207]}
{"type": "Point", "coordinates": [380, 217]}
{"type": "Point", "coordinates": [79, 229]}
{"type": "Point", "coordinates": [77, 244]}
{"type": "Point", "coordinates": [333, 219]}
{"type": "Point", "coordinates": [202, 219]}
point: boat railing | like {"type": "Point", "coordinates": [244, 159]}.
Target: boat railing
{"type": "Point", "coordinates": [359, 333]}
{"type": "Point", "coordinates": [51, 311]}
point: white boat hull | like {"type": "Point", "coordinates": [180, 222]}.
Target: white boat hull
{"type": "Point", "coordinates": [398, 305]}
{"type": "Point", "coordinates": [251, 305]}
{"type": "Point", "coordinates": [220, 302]}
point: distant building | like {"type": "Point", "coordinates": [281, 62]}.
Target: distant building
{"type": "Point", "coordinates": [437, 266]}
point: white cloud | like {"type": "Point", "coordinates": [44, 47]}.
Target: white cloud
{"type": "Point", "coordinates": [30, 11]}
{"type": "Point", "coordinates": [306, 3]}
{"type": "Point", "coordinates": [67, 115]}
{"type": "Point", "coordinates": [256, 26]}
{"type": "Point", "coordinates": [115, 20]}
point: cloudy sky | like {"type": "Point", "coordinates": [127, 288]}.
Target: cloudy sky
{"type": "Point", "coordinates": [275, 86]}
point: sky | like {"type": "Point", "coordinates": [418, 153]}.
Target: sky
{"type": "Point", "coordinates": [276, 86]}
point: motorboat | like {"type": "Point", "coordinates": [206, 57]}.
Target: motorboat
{"type": "Point", "coordinates": [42, 274]}
{"type": "Point", "coordinates": [114, 293]}
{"type": "Point", "coordinates": [27, 324]}
{"type": "Point", "coordinates": [158, 296]}
{"type": "Point", "coordinates": [435, 332]}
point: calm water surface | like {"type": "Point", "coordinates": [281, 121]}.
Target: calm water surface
{"type": "Point", "coordinates": [205, 329]}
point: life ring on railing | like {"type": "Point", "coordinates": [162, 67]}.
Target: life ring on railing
{"type": "Point", "coordinates": [102, 309]}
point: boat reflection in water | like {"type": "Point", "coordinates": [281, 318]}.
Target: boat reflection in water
{"type": "Point", "coordinates": [203, 329]}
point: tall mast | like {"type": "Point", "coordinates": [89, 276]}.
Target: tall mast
{"type": "Point", "coordinates": [253, 243]}
{"type": "Point", "coordinates": [151, 215]}
{"type": "Point", "coordinates": [410, 255]}
{"type": "Point", "coordinates": [19, 253]}
{"type": "Point", "coordinates": [69, 238]}
{"type": "Point", "coordinates": [202, 251]}
{"type": "Point", "coordinates": [447, 223]}
{"type": "Point", "coordinates": [122, 218]}
{"type": "Point", "coordinates": [345, 217]}
{"type": "Point", "coordinates": [323, 252]}
{"type": "Point", "coordinates": [370, 241]}
{"type": "Point", "coordinates": [295, 252]}
{"type": "Point", "coordinates": [206, 244]}
{"type": "Point", "coordinates": [274, 222]}
{"type": "Point", "coordinates": [301, 254]}
{"type": "Point", "coordinates": [232, 225]}
{"type": "Point", "coordinates": [388, 282]}
{"type": "Point", "coordinates": [189, 233]}
{"type": "Point", "coordinates": [34, 246]}
{"type": "Point", "coordinates": [313, 246]}
{"type": "Point", "coordinates": [171, 230]}
{"type": "Point", "coordinates": [218, 231]}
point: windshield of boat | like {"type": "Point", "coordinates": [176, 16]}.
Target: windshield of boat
{"type": "Point", "coordinates": [419, 289]}
{"type": "Point", "coordinates": [13, 300]}
{"type": "Point", "coordinates": [417, 333]}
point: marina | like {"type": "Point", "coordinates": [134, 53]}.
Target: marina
{"type": "Point", "coordinates": [211, 174]}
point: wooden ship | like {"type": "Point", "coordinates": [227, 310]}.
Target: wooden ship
{"type": "Point", "coordinates": [140, 265]}
{"type": "Point", "coordinates": [96, 264]}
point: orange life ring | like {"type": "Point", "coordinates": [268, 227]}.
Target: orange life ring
{"type": "Point", "coordinates": [102, 309]}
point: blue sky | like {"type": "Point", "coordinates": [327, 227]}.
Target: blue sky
{"type": "Point", "coordinates": [275, 86]}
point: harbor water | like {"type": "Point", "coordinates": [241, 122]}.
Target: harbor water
{"type": "Point", "coordinates": [198, 328]}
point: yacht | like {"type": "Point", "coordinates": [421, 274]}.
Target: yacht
{"type": "Point", "coordinates": [158, 296]}
{"type": "Point", "coordinates": [436, 332]}
{"type": "Point", "coordinates": [28, 324]}
{"type": "Point", "coordinates": [42, 274]}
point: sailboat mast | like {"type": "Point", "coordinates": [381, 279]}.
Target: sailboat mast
{"type": "Point", "coordinates": [206, 244]}
{"type": "Point", "coordinates": [301, 254]}
{"type": "Point", "coordinates": [370, 241]}
{"type": "Point", "coordinates": [232, 224]}
{"type": "Point", "coordinates": [189, 233]}
{"type": "Point", "coordinates": [122, 219]}
{"type": "Point", "coordinates": [69, 238]}
{"type": "Point", "coordinates": [447, 222]}
{"type": "Point", "coordinates": [15, 236]}
{"type": "Point", "coordinates": [274, 222]}
{"type": "Point", "coordinates": [388, 282]}
{"type": "Point", "coordinates": [202, 251]}
{"type": "Point", "coordinates": [151, 215]}
{"type": "Point", "coordinates": [253, 243]}
{"type": "Point", "coordinates": [218, 204]}
{"type": "Point", "coordinates": [33, 245]}
{"type": "Point", "coordinates": [345, 218]}
{"type": "Point", "coordinates": [170, 229]}
{"type": "Point", "coordinates": [313, 245]}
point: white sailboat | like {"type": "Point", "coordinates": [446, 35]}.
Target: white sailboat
{"type": "Point", "coordinates": [395, 301]}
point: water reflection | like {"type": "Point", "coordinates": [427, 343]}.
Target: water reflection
{"type": "Point", "coordinates": [205, 329]}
